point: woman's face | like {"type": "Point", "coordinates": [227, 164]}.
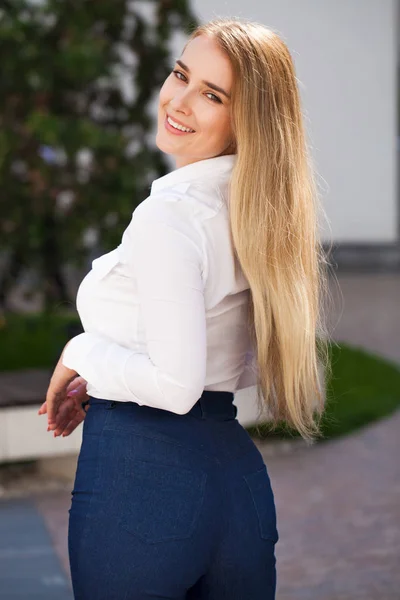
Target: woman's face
{"type": "Point", "coordinates": [196, 96]}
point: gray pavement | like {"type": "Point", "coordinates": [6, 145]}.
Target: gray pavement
{"type": "Point", "coordinates": [29, 567]}
{"type": "Point", "coordinates": [338, 509]}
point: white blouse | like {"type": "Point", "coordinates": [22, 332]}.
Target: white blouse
{"type": "Point", "coordinates": [165, 313]}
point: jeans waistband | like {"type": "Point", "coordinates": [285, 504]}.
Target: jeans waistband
{"type": "Point", "coordinates": [215, 404]}
{"type": "Point", "coordinates": [212, 404]}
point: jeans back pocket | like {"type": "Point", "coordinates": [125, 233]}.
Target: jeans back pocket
{"type": "Point", "coordinates": [263, 498]}
{"type": "Point", "coordinates": [162, 502]}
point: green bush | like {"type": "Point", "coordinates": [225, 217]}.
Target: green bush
{"type": "Point", "coordinates": [34, 341]}
{"type": "Point", "coordinates": [76, 155]}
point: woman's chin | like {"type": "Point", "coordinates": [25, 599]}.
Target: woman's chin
{"type": "Point", "coordinates": [165, 145]}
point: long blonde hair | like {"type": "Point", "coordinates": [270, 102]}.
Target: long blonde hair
{"type": "Point", "coordinates": [273, 214]}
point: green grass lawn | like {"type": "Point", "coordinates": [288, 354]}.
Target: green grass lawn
{"type": "Point", "coordinates": [363, 387]}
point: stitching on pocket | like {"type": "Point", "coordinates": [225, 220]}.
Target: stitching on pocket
{"type": "Point", "coordinates": [263, 499]}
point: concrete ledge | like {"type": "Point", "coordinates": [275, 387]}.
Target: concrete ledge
{"type": "Point", "coordinates": [24, 436]}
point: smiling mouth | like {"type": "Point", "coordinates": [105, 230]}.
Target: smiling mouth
{"type": "Point", "coordinates": [178, 126]}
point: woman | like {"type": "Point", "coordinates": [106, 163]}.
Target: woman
{"type": "Point", "coordinates": [215, 286]}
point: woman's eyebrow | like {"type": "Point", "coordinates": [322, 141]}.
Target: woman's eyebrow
{"type": "Point", "coordinates": [213, 86]}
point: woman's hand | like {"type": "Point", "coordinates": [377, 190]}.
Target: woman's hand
{"type": "Point", "coordinates": [56, 406]}
{"type": "Point", "coordinates": [71, 413]}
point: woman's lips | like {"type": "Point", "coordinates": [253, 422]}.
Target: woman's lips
{"type": "Point", "coordinates": [171, 129]}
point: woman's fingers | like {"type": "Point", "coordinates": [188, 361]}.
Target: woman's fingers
{"type": "Point", "coordinates": [78, 391]}
{"type": "Point", "coordinates": [79, 395]}
{"type": "Point", "coordinates": [67, 406]}
{"type": "Point", "coordinates": [56, 393]}
{"type": "Point", "coordinates": [66, 412]}
{"type": "Point", "coordinates": [73, 424]}
{"type": "Point", "coordinates": [77, 385]}
{"type": "Point", "coordinates": [72, 416]}
{"type": "Point", "coordinates": [69, 417]}
{"type": "Point", "coordinates": [43, 409]}
{"type": "Point", "coordinates": [78, 382]}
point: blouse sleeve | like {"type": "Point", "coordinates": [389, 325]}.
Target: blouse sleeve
{"type": "Point", "coordinates": [167, 265]}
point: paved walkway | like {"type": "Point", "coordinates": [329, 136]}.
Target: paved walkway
{"type": "Point", "coordinates": [29, 568]}
{"type": "Point", "coordinates": [338, 502]}
{"type": "Point", "coordinates": [339, 517]}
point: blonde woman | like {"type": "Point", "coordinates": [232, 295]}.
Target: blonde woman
{"type": "Point", "coordinates": [215, 287]}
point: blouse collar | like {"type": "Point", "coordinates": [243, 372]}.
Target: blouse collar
{"type": "Point", "coordinates": [206, 169]}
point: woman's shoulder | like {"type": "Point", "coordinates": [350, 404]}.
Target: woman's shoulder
{"type": "Point", "coordinates": [197, 200]}
{"type": "Point", "coordinates": [167, 209]}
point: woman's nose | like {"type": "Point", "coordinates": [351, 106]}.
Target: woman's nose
{"type": "Point", "coordinates": [181, 102]}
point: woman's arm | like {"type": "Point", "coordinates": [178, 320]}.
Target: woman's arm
{"type": "Point", "coordinates": [167, 264]}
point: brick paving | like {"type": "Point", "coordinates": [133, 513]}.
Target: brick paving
{"type": "Point", "coordinates": [29, 569]}
{"type": "Point", "coordinates": [54, 509]}
{"type": "Point", "coordinates": [338, 510]}
{"type": "Point", "coordinates": [368, 313]}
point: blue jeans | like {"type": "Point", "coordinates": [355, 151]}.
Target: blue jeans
{"type": "Point", "coordinates": [169, 506]}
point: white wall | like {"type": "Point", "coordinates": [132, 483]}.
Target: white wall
{"type": "Point", "coordinates": [345, 57]}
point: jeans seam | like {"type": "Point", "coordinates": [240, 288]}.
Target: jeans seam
{"type": "Point", "coordinates": [161, 439]}
{"type": "Point", "coordinates": [262, 535]}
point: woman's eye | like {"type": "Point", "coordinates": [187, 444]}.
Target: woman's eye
{"type": "Point", "coordinates": [213, 97]}
{"type": "Point", "coordinates": [179, 75]}
{"type": "Point", "coordinates": [182, 77]}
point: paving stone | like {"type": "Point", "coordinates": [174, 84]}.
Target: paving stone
{"type": "Point", "coordinates": [29, 568]}
{"type": "Point", "coordinates": [338, 507]}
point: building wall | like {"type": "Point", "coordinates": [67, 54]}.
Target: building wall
{"type": "Point", "coordinates": [345, 57]}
